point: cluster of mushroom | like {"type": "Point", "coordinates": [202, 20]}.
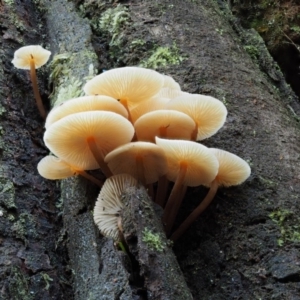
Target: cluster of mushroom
{"type": "Point", "coordinates": [136, 125]}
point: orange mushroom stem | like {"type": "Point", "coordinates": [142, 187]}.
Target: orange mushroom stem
{"type": "Point", "coordinates": [197, 212]}
{"type": "Point", "coordinates": [98, 157]}
{"type": "Point", "coordinates": [35, 88]}
{"type": "Point", "coordinates": [89, 177]}
{"type": "Point", "coordinates": [175, 199]}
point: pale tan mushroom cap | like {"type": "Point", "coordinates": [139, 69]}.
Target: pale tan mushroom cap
{"type": "Point", "coordinates": [177, 125]}
{"type": "Point", "coordinates": [109, 204]}
{"type": "Point", "coordinates": [171, 83]}
{"type": "Point", "coordinates": [202, 165]}
{"type": "Point", "coordinates": [233, 170]}
{"type": "Point", "coordinates": [170, 93]}
{"type": "Point", "coordinates": [132, 84]}
{"type": "Point", "coordinates": [23, 55]}
{"type": "Point", "coordinates": [153, 104]}
{"type": "Point", "coordinates": [53, 168]}
{"type": "Point", "coordinates": [209, 113]}
{"type": "Point", "coordinates": [124, 160]}
{"type": "Point", "coordinates": [67, 138]}
{"type": "Point", "coordinates": [82, 104]}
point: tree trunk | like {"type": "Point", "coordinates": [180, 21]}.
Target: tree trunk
{"type": "Point", "coordinates": [245, 246]}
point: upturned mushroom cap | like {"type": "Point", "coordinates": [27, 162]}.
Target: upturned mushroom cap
{"type": "Point", "coordinates": [68, 137]}
{"type": "Point", "coordinates": [53, 168]}
{"type": "Point", "coordinates": [169, 124]}
{"type": "Point", "coordinates": [233, 170]}
{"type": "Point", "coordinates": [209, 113]}
{"type": "Point", "coordinates": [125, 159]}
{"type": "Point", "coordinates": [130, 84]}
{"type": "Point", "coordinates": [23, 56]}
{"type": "Point", "coordinates": [82, 104]}
{"type": "Point", "coordinates": [109, 204]}
{"type": "Point", "coordinates": [201, 163]}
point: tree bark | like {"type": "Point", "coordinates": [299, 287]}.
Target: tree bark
{"type": "Point", "coordinates": [244, 247]}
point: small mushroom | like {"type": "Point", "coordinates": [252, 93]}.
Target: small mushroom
{"type": "Point", "coordinates": [208, 113]}
{"type": "Point", "coordinates": [233, 170]}
{"type": "Point", "coordinates": [109, 204]}
{"type": "Point", "coordinates": [129, 85]}
{"type": "Point", "coordinates": [142, 160]}
{"type": "Point", "coordinates": [31, 58]}
{"type": "Point", "coordinates": [82, 104]}
{"type": "Point", "coordinates": [189, 164]}
{"type": "Point", "coordinates": [54, 168]}
{"type": "Point", "coordinates": [83, 139]}
{"type": "Point", "coordinates": [163, 123]}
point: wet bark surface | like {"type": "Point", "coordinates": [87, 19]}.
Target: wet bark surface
{"type": "Point", "coordinates": [245, 246]}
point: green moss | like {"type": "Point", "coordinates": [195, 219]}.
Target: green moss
{"type": "Point", "coordinates": [47, 279]}
{"type": "Point", "coordinates": [65, 85]}
{"type": "Point", "coordinates": [112, 23]}
{"type": "Point", "coordinates": [18, 285]}
{"type": "Point", "coordinates": [285, 219]}
{"type": "Point", "coordinates": [163, 56]}
{"type": "Point", "coordinates": [153, 240]}
{"type": "Point", "coordinates": [7, 193]}
{"type": "Point", "coordinates": [24, 227]}
{"type": "Point", "coordinates": [252, 51]}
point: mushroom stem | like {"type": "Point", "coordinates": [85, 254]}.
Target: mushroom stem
{"type": "Point", "coordinates": [163, 132]}
{"type": "Point", "coordinates": [161, 192]}
{"type": "Point", "coordinates": [98, 157]}
{"type": "Point", "coordinates": [196, 212]}
{"type": "Point", "coordinates": [35, 88]}
{"type": "Point", "coordinates": [89, 177]}
{"type": "Point", "coordinates": [140, 169]}
{"type": "Point", "coordinates": [174, 200]}
{"type": "Point", "coordinates": [194, 133]}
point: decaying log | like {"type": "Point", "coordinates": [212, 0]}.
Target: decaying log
{"type": "Point", "coordinates": [144, 235]}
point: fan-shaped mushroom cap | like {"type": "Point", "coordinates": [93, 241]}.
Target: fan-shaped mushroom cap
{"type": "Point", "coordinates": [109, 204]}
{"type": "Point", "coordinates": [233, 170]}
{"type": "Point", "coordinates": [152, 104]}
{"type": "Point", "coordinates": [23, 56]}
{"type": "Point", "coordinates": [169, 124]}
{"type": "Point", "coordinates": [82, 104]}
{"type": "Point", "coordinates": [125, 159]}
{"type": "Point", "coordinates": [171, 83]}
{"type": "Point", "coordinates": [68, 137]}
{"type": "Point", "coordinates": [209, 113]}
{"type": "Point", "coordinates": [128, 84]}
{"type": "Point", "coordinates": [201, 164]}
{"type": "Point", "coordinates": [52, 167]}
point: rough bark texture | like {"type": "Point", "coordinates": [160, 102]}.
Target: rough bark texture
{"type": "Point", "coordinates": [144, 235]}
{"type": "Point", "coordinates": [246, 246]}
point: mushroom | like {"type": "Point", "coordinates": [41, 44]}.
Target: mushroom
{"type": "Point", "coordinates": [53, 168]}
{"type": "Point", "coordinates": [153, 104]}
{"type": "Point", "coordinates": [142, 160]}
{"type": "Point", "coordinates": [129, 85]}
{"type": "Point", "coordinates": [233, 170]}
{"type": "Point", "coordinates": [169, 124]}
{"type": "Point", "coordinates": [208, 113]}
{"type": "Point", "coordinates": [169, 82]}
{"type": "Point", "coordinates": [31, 58]}
{"type": "Point", "coordinates": [83, 139]}
{"type": "Point", "coordinates": [109, 204]}
{"type": "Point", "coordinates": [82, 104]}
{"type": "Point", "coordinates": [189, 164]}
